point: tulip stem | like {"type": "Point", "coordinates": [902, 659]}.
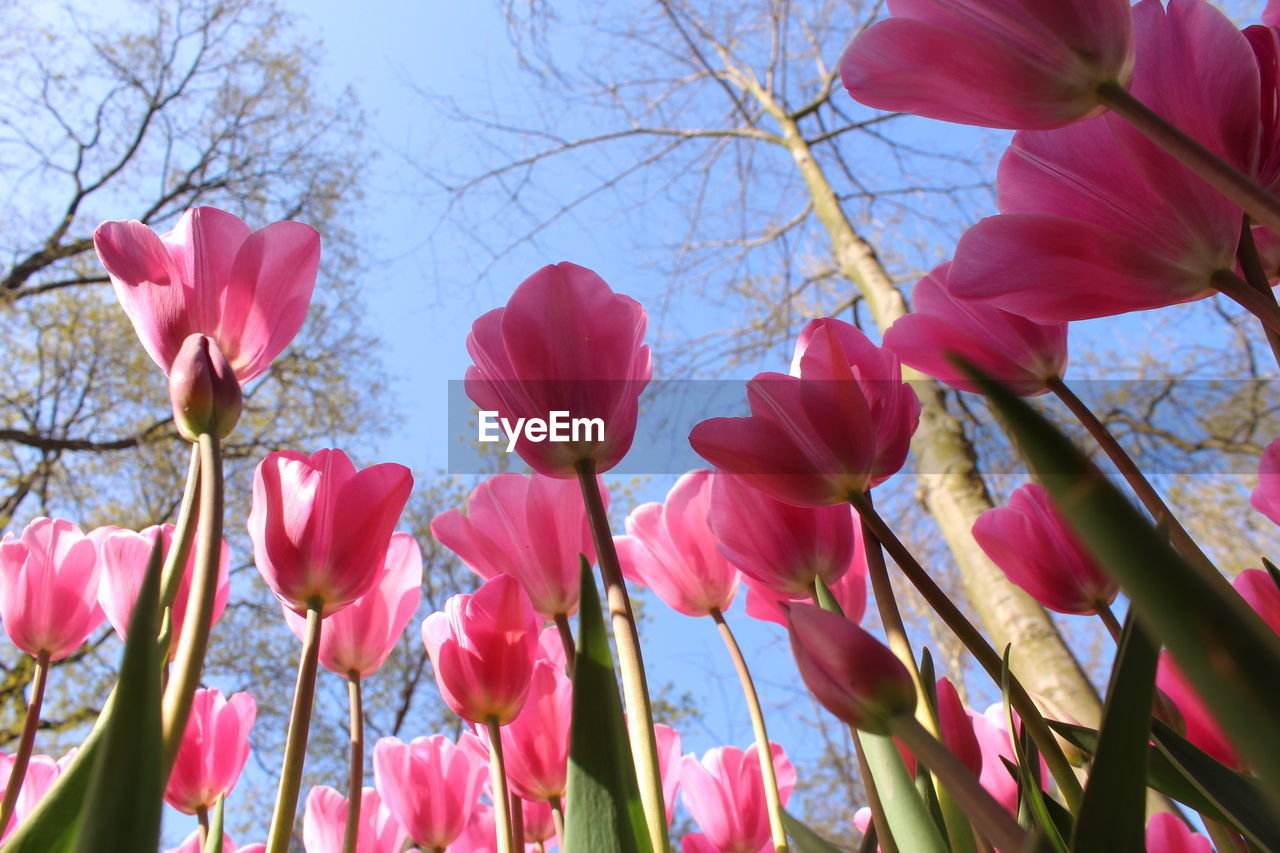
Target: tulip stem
{"type": "Point", "coordinates": [983, 653]}
{"type": "Point", "coordinates": [202, 818]}
{"type": "Point", "coordinates": [184, 533]}
{"type": "Point", "coordinates": [1256, 275]}
{"type": "Point", "coordinates": [1261, 305]}
{"type": "Point", "coordinates": [635, 688]}
{"type": "Point", "coordinates": [1222, 176]}
{"type": "Point", "coordinates": [498, 787]}
{"type": "Point", "coordinates": [18, 771]}
{"type": "Point", "coordinates": [764, 752]}
{"type": "Point", "coordinates": [879, 821]}
{"type": "Point", "coordinates": [557, 818]}
{"type": "Point", "coordinates": [189, 661]}
{"type": "Point", "coordinates": [295, 747]}
{"type": "Point", "coordinates": [1150, 498]}
{"type": "Point", "coordinates": [566, 640]}
{"type": "Point", "coordinates": [1109, 619]}
{"type": "Point", "coordinates": [517, 822]}
{"type": "Point", "coordinates": [355, 773]}
{"type": "Point", "coordinates": [988, 815]}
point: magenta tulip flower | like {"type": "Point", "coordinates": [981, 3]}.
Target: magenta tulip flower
{"type": "Point", "coordinates": [320, 528]}
{"type": "Point", "coordinates": [851, 673]}
{"type": "Point", "coordinates": [1259, 589]}
{"type": "Point", "coordinates": [358, 638]}
{"type": "Point", "coordinates": [1037, 550]}
{"type": "Point", "coordinates": [431, 786]}
{"type": "Point", "coordinates": [49, 580]}
{"type": "Point", "coordinates": [850, 592]}
{"type": "Point", "coordinates": [1202, 729]}
{"type": "Point", "coordinates": [992, 63]}
{"type": "Point", "coordinates": [669, 756]}
{"type": "Point", "coordinates": [214, 748]}
{"type": "Point", "coordinates": [248, 291]}
{"type": "Point", "coordinates": [1096, 219]}
{"type": "Point", "coordinates": [725, 795]}
{"type": "Point", "coordinates": [839, 425]}
{"type": "Point", "coordinates": [782, 548]}
{"type": "Point", "coordinates": [670, 549]}
{"type": "Point", "coordinates": [1266, 494]}
{"type": "Point", "coordinates": [324, 823]}
{"type": "Point", "coordinates": [565, 342]}
{"type": "Point", "coordinates": [957, 727]}
{"type": "Point", "coordinates": [1271, 14]}
{"type": "Point", "coordinates": [1021, 354]}
{"type": "Point", "coordinates": [531, 528]}
{"type": "Point", "coordinates": [539, 821]}
{"type": "Point", "coordinates": [482, 648]}
{"type": "Point", "coordinates": [194, 844]}
{"type": "Point", "coordinates": [1167, 833]}
{"type": "Point", "coordinates": [535, 745]}
{"type": "Point", "coordinates": [42, 772]}
{"type": "Point", "coordinates": [123, 556]}
{"type": "Point", "coordinates": [480, 834]}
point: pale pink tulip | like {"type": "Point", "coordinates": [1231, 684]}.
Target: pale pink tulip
{"type": "Point", "coordinates": [670, 549]}
{"type": "Point", "coordinates": [482, 648]}
{"type": "Point", "coordinates": [1021, 354]}
{"type": "Point", "coordinates": [431, 786]}
{"type": "Point", "coordinates": [192, 844]}
{"type": "Point", "coordinates": [850, 592]}
{"type": "Point", "coordinates": [480, 834]}
{"type": "Point", "coordinates": [248, 291]}
{"type": "Point", "coordinates": [123, 556]}
{"type": "Point", "coordinates": [358, 638]}
{"type": "Point", "coordinates": [1259, 589]}
{"type": "Point", "coordinates": [993, 63]}
{"type": "Point", "coordinates": [531, 528]}
{"type": "Point", "coordinates": [991, 730]}
{"type": "Point", "coordinates": [320, 528]}
{"type": "Point", "coordinates": [1037, 550]}
{"type": "Point", "coordinates": [838, 426]}
{"type": "Point", "coordinates": [324, 823]}
{"type": "Point", "coordinates": [1266, 494]}
{"type": "Point", "coordinates": [539, 822]}
{"type": "Point", "coordinates": [564, 342]}
{"type": "Point", "coordinates": [1166, 833]}
{"type": "Point", "coordinates": [42, 772]}
{"type": "Point", "coordinates": [535, 745]}
{"type": "Point", "coordinates": [725, 795]}
{"type": "Point", "coordinates": [669, 756]}
{"type": "Point", "coordinates": [49, 580]}
{"type": "Point", "coordinates": [214, 748]}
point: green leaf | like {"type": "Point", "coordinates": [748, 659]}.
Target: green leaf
{"type": "Point", "coordinates": [910, 822]}
{"type": "Point", "coordinates": [603, 812]}
{"type": "Point", "coordinates": [1224, 648]}
{"type": "Point", "coordinates": [1027, 769]}
{"type": "Point", "coordinates": [126, 789]}
{"type": "Point", "coordinates": [213, 841]}
{"type": "Point", "coordinates": [803, 839]}
{"type": "Point", "coordinates": [1113, 815]}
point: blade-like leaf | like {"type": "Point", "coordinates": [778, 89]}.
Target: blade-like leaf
{"type": "Point", "coordinates": [123, 802]}
{"type": "Point", "coordinates": [910, 822]}
{"type": "Point", "coordinates": [803, 839]}
{"type": "Point", "coordinates": [1027, 770]}
{"type": "Point", "coordinates": [213, 841]}
{"type": "Point", "coordinates": [1112, 815]}
{"type": "Point", "coordinates": [602, 811]}
{"type": "Point", "coordinates": [1230, 655]}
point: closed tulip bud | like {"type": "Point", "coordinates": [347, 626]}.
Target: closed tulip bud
{"type": "Point", "coordinates": [851, 673]}
{"type": "Point", "coordinates": [204, 390]}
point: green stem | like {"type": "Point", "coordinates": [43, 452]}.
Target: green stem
{"type": "Point", "coordinates": [635, 688]}
{"type": "Point", "coordinates": [1222, 176]}
{"type": "Point", "coordinates": [27, 741]}
{"type": "Point", "coordinates": [295, 748]}
{"type": "Point", "coordinates": [989, 816]}
{"type": "Point", "coordinates": [1256, 275]}
{"type": "Point", "coordinates": [498, 787]}
{"type": "Point", "coordinates": [879, 821]}
{"type": "Point", "coordinates": [566, 640]}
{"type": "Point", "coordinates": [189, 661]}
{"type": "Point", "coordinates": [764, 752]}
{"type": "Point", "coordinates": [355, 773]}
{"type": "Point", "coordinates": [184, 533]}
{"type": "Point", "coordinates": [557, 818]}
{"type": "Point", "coordinates": [983, 653]}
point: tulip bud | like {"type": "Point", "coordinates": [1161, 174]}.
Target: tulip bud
{"type": "Point", "coordinates": [850, 672]}
{"type": "Point", "coordinates": [203, 389]}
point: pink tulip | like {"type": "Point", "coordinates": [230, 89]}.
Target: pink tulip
{"type": "Point", "coordinates": [49, 580]}
{"type": "Point", "coordinates": [1259, 589]}
{"type": "Point", "coordinates": [1266, 494]}
{"type": "Point", "coordinates": [1265, 41]}
{"type": "Point", "coordinates": [1201, 728]}
{"type": "Point", "coordinates": [551, 648]}
{"type": "Point", "coordinates": [248, 291]}
{"type": "Point", "coordinates": [1021, 354]}
{"type": "Point", "coordinates": [669, 756]}
{"type": "Point", "coordinates": [1167, 834]}
{"type": "Point", "coordinates": [992, 733]}
{"type": "Point", "coordinates": [430, 786]}
{"type": "Point", "coordinates": [482, 648]}
{"type": "Point", "coordinates": [1271, 14]}
{"type": "Point", "coordinates": [957, 727]}
{"type": "Point", "coordinates": [725, 795]}
{"type": "Point", "coordinates": [839, 425]}
{"type": "Point", "coordinates": [1098, 220]}
{"type": "Point", "coordinates": [670, 549]}
{"type": "Point", "coordinates": [193, 844]}
{"type": "Point", "coordinates": [480, 834]}
{"type": "Point", "coordinates": [564, 342]}
{"type": "Point", "coordinates": [780, 547]}
{"type": "Point", "coordinates": [850, 592]}
{"type": "Point", "coordinates": [851, 673]}
{"type": "Point", "coordinates": [324, 823]}
{"type": "Point", "coordinates": [42, 772]}
{"type": "Point", "coordinates": [320, 528]}
{"type": "Point", "coordinates": [214, 748]}
{"type": "Point", "coordinates": [531, 528]}
{"type": "Point", "coordinates": [535, 745]}
{"type": "Point", "coordinates": [358, 638]}
{"type": "Point", "coordinates": [993, 63]}
{"type": "Point", "coordinates": [123, 556]}
{"type": "Point", "coordinates": [1036, 549]}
